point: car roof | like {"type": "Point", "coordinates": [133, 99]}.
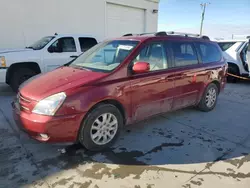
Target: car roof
{"type": "Point", "coordinates": [143, 38]}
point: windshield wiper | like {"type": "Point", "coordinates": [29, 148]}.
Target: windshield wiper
{"type": "Point", "coordinates": [79, 67]}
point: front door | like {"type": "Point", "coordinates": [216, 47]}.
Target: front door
{"type": "Point", "coordinates": [248, 56]}
{"type": "Point", "coordinates": [152, 92]}
{"type": "Point", "coordinates": [59, 53]}
{"type": "Point", "coordinates": [189, 74]}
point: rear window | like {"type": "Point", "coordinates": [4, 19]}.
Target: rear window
{"type": "Point", "coordinates": [209, 52]}
{"type": "Point", "coordinates": [225, 45]}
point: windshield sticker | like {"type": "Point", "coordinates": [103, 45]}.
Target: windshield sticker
{"type": "Point", "coordinates": [125, 47]}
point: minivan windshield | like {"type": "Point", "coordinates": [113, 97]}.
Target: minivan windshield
{"type": "Point", "coordinates": [38, 45]}
{"type": "Point", "coordinates": [105, 56]}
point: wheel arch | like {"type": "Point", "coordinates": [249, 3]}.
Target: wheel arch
{"type": "Point", "coordinates": [114, 102]}
{"type": "Point", "coordinates": [217, 83]}
{"type": "Point", "coordinates": [231, 64]}
{"type": "Point", "coordinates": [31, 65]}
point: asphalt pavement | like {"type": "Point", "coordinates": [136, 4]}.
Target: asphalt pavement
{"type": "Point", "coordinates": [184, 149]}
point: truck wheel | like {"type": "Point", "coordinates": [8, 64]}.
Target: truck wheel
{"type": "Point", "coordinates": [101, 127]}
{"type": "Point", "coordinates": [209, 98]}
{"type": "Point", "coordinates": [19, 76]}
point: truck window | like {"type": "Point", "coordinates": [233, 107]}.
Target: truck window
{"type": "Point", "coordinates": [86, 43]}
{"type": "Point", "coordinates": [225, 45]}
{"type": "Point", "coordinates": [64, 44]}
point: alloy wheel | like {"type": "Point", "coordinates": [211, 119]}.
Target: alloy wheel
{"type": "Point", "coordinates": [104, 129]}
{"type": "Point", "coordinates": [211, 97]}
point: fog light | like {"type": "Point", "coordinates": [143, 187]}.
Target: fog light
{"type": "Point", "coordinates": [44, 136]}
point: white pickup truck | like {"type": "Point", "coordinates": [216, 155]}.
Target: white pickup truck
{"type": "Point", "coordinates": [50, 52]}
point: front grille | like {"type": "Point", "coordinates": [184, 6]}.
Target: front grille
{"type": "Point", "coordinates": [23, 102]}
{"type": "Point", "coordinates": [22, 98]}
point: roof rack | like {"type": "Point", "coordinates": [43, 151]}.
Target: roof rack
{"type": "Point", "coordinates": [166, 33]}
{"type": "Point", "coordinates": [185, 34]}
{"type": "Point", "coordinates": [131, 34]}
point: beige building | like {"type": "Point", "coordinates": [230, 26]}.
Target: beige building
{"type": "Point", "coordinates": [25, 21]}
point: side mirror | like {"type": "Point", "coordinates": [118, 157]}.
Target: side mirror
{"type": "Point", "coordinates": [141, 67]}
{"type": "Point", "coordinates": [53, 49]}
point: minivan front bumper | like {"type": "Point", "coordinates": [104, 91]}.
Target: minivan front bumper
{"type": "Point", "coordinates": [56, 128]}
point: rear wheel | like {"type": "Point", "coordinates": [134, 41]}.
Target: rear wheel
{"type": "Point", "coordinates": [209, 98]}
{"type": "Point", "coordinates": [19, 76]}
{"type": "Point", "coordinates": [101, 127]}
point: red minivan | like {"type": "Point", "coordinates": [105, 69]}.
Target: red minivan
{"type": "Point", "coordinates": [119, 82]}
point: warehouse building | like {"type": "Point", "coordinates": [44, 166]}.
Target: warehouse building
{"type": "Point", "coordinates": [25, 21]}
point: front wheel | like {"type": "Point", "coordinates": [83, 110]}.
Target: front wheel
{"type": "Point", "coordinates": [101, 127]}
{"type": "Point", "coordinates": [20, 76]}
{"type": "Point", "coordinates": [209, 98]}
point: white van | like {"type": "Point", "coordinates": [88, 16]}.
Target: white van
{"type": "Point", "coordinates": [235, 52]}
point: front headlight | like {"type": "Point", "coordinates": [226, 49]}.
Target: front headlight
{"type": "Point", "coordinates": [2, 61]}
{"type": "Point", "coordinates": [50, 105]}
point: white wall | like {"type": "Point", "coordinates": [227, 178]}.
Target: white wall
{"type": "Point", "coordinates": [25, 21]}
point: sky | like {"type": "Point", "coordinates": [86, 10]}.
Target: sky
{"type": "Point", "coordinates": [223, 18]}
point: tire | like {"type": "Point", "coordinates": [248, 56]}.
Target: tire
{"type": "Point", "coordinates": [203, 104]}
{"type": "Point", "coordinates": [233, 70]}
{"type": "Point", "coordinates": [85, 132]}
{"type": "Point", "coordinates": [19, 76]}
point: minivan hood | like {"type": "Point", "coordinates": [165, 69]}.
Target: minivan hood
{"type": "Point", "coordinates": [58, 80]}
{"type": "Point", "coordinates": [14, 50]}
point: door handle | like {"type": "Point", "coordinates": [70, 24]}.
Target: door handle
{"type": "Point", "coordinates": [170, 77]}
{"type": "Point", "coordinates": [73, 56]}
{"type": "Point", "coordinates": [179, 76]}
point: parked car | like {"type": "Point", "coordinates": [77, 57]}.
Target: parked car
{"type": "Point", "coordinates": [119, 82]}
{"type": "Point", "coordinates": [48, 53]}
{"type": "Point", "coordinates": [235, 52]}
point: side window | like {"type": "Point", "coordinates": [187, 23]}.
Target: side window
{"type": "Point", "coordinates": [155, 55]}
{"type": "Point", "coordinates": [184, 54]}
{"type": "Point", "coordinates": [86, 43]}
{"type": "Point", "coordinates": [65, 44]}
{"type": "Point", "coordinates": [209, 52]}
{"type": "Point", "coordinates": [248, 49]}
{"type": "Point", "coordinates": [243, 53]}
{"type": "Point", "coordinates": [248, 54]}
{"type": "Point", "coordinates": [225, 45]}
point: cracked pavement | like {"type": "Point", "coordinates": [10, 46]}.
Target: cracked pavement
{"type": "Point", "coordinates": [183, 149]}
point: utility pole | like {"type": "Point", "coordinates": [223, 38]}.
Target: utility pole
{"type": "Point", "coordinates": [203, 6]}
